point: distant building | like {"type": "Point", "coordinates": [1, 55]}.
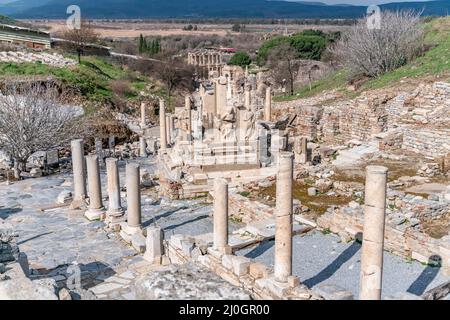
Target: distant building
{"type": "Point", "coordinates": [214, 59]}
{"type": "Point", "coordinates": [33, 39]}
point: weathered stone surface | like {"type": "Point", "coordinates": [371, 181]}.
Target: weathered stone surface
{"type": "Point", "coordinates": [18, 287]}
{"type": "Point", "coordinates": [186, 282]}
{"type": "Point", "coordinates": [332, 292]}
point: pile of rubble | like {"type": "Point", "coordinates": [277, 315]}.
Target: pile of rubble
{"type": "Point", "coordinates": [54, 60]}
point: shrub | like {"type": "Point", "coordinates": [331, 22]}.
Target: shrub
{"type": "Point", "coordinates": [373, 52]}
{"type": "Point", "coordinates": [309, 44]}
{"type": "Point", "coordinates": [241, 59]}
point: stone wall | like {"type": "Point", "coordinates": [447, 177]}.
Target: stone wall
{"type": "Point", "coordinates": [427, 141]}
{"type": "Point", "coordinates": [403, 236]}
{"type": "Point", "coordinates": [253, 277]}
{"type": "Point", "coordinates": [420, 118]}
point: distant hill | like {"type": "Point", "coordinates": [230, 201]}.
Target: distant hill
{"type": "Point", "coordinates": [116, 9]}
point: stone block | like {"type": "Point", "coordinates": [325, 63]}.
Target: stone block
{"type": "Point", "coordinates": [138, 242]}
{"type": "Point", "coordinates": [258, 270]}
{"type": "Point", "coordinates": [154, 244]}
{"type": "Point", "coordinates": [227, 261]}
{"type": "Point", "coordinates": [215, 253]}
{"type": "Point", "coordinates": [278, 289]}
{"type": "Point", "coordinates": [241, 265]}
{"type": "Point", "coordinates": [332, 292]}
{"type": "Point", "coordinates": [187, 246]}
{"type": "Point", "coordinates": [176, 241]}
{"type": "Point", "coordinates": [64, 197]}
{"type": "Point", "coordinates": [93, 215]}
{"type": "Point", "coordinates": [293, 281]}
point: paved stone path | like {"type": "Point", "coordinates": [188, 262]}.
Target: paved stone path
{"type": "Point", "coordinates": [323, 259]}
{"type": "Point", "coordinates": [56, 238]}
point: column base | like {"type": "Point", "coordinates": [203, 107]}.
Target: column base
{"type": "Point", "coordinates": [95, 214]}
{"type": "Point", "coordinates": [225, 249]}
{"type": "Point", "coordinates": [280, 288]}
{"type": "Point", "coordinates": [114, 219]}
{"type": "Point", "coordinates": [78, 204]}
{"type": "Point", "coordinates": [158, 260]}
{"type": "Point", "coordinates": [127, 232]}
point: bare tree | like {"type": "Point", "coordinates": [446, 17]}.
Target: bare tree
{"type": "Point", "coordinates": [78, 39]}
{"type": "Point", "coordinates": [32, 119]}
{"type": "Point", "coordinates": [284, 65]}
{"type": "Point", "coordinates": [374, 51]}
{"type": "Point", "coordinates": [174, 74]}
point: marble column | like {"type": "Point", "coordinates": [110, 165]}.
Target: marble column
{"type": "Point", "coordinates": [268, 105]}
{"type": "Point", "coordinates": [283, 218]}
{"type": "Point", "coordinates": [220, 215]}
{"type": "Point", "coordinates": [168, 132]}
{"type": "Point", "coordinates": [96, 209]}
{"type": "Point", "coordinates": [247, 97]}
{"type": "Point", "coordinates": [162, 126]}
{"type": "Point", "coordinates": [221, 96]}
{"type": "Point", "coordinates": [187, 105]}
{"type": "Point", "coordinates": [305, 147]}
{"type": "Point", "coordinates": [373, 233]}
{"type": "Point", "coordinates": [143, 115]}
{"type": "Point", "coordinates": [79, 176]}
{"type": "Point", "coordinates": [133, 196]}
{"type": "Point", "coordinates": [115, 213]}
{"type": "Point", "coordinates": [142, 147]}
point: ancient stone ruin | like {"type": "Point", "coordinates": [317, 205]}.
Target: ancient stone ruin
{"type": "Point", "coordinates": [233, 196]}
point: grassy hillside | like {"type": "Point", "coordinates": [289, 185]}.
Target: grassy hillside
{"type": "Point", "coordinates": [93, 79]}
{"type": "Point", "coordinates": [435, 62]}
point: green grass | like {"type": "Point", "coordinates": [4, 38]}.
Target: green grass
{"type": "Point", "coordinates": [336, 80]}
{"type": "Point", "coordinates": [435, 62]}
{"type": "Point", "coordinates": [92, 78]}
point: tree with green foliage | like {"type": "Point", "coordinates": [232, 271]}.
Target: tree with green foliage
{"type": "Point", "coordinates": [237, 27]}
{"type": "Point", "coordinates": [308, 44]}
{"type": "Point", "coordinates": [241, 59]}
{"type": "Point", "coordinates": [152, 48]}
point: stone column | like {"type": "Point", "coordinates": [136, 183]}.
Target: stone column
{"type": "Point", "coordinates": [221, 215]}
{"type": "Point", "coordinates": [142, 147]}
{"type": "Point", "coordinates": [373, 233]}
{"type": "Point", "coordinates": [133, 196]}
{"type": "Point", "coordinates": [169, 134]}
{"type": "Point", "coordinates": [268, 106]}
{"type": "Point", "coordinates": [221, 96]}
{"type": "Point", "coordinates": [187, 105]}
{"type": "Point", "coordinates": [115, 214]}
{"type": "Point", "coordinates": [143, 115]}
{"type": "Point", "coordinates": [154, 249]}
{"type": "Point", "coordinates": [303, 150]}
{"type": "Point", "coordinates": [79, 176]}
{"type": "Point", "coordinates": [283, 218]}
{"type": "Point", "coordinates": [162, 126]}
{"type": "Point", "coordinates": [96, 209]}
{"type": "Point", "coordinates": [247, 97]}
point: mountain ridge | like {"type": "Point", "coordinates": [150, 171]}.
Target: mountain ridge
{"type": "Point", "coordinates": [129, 9]}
